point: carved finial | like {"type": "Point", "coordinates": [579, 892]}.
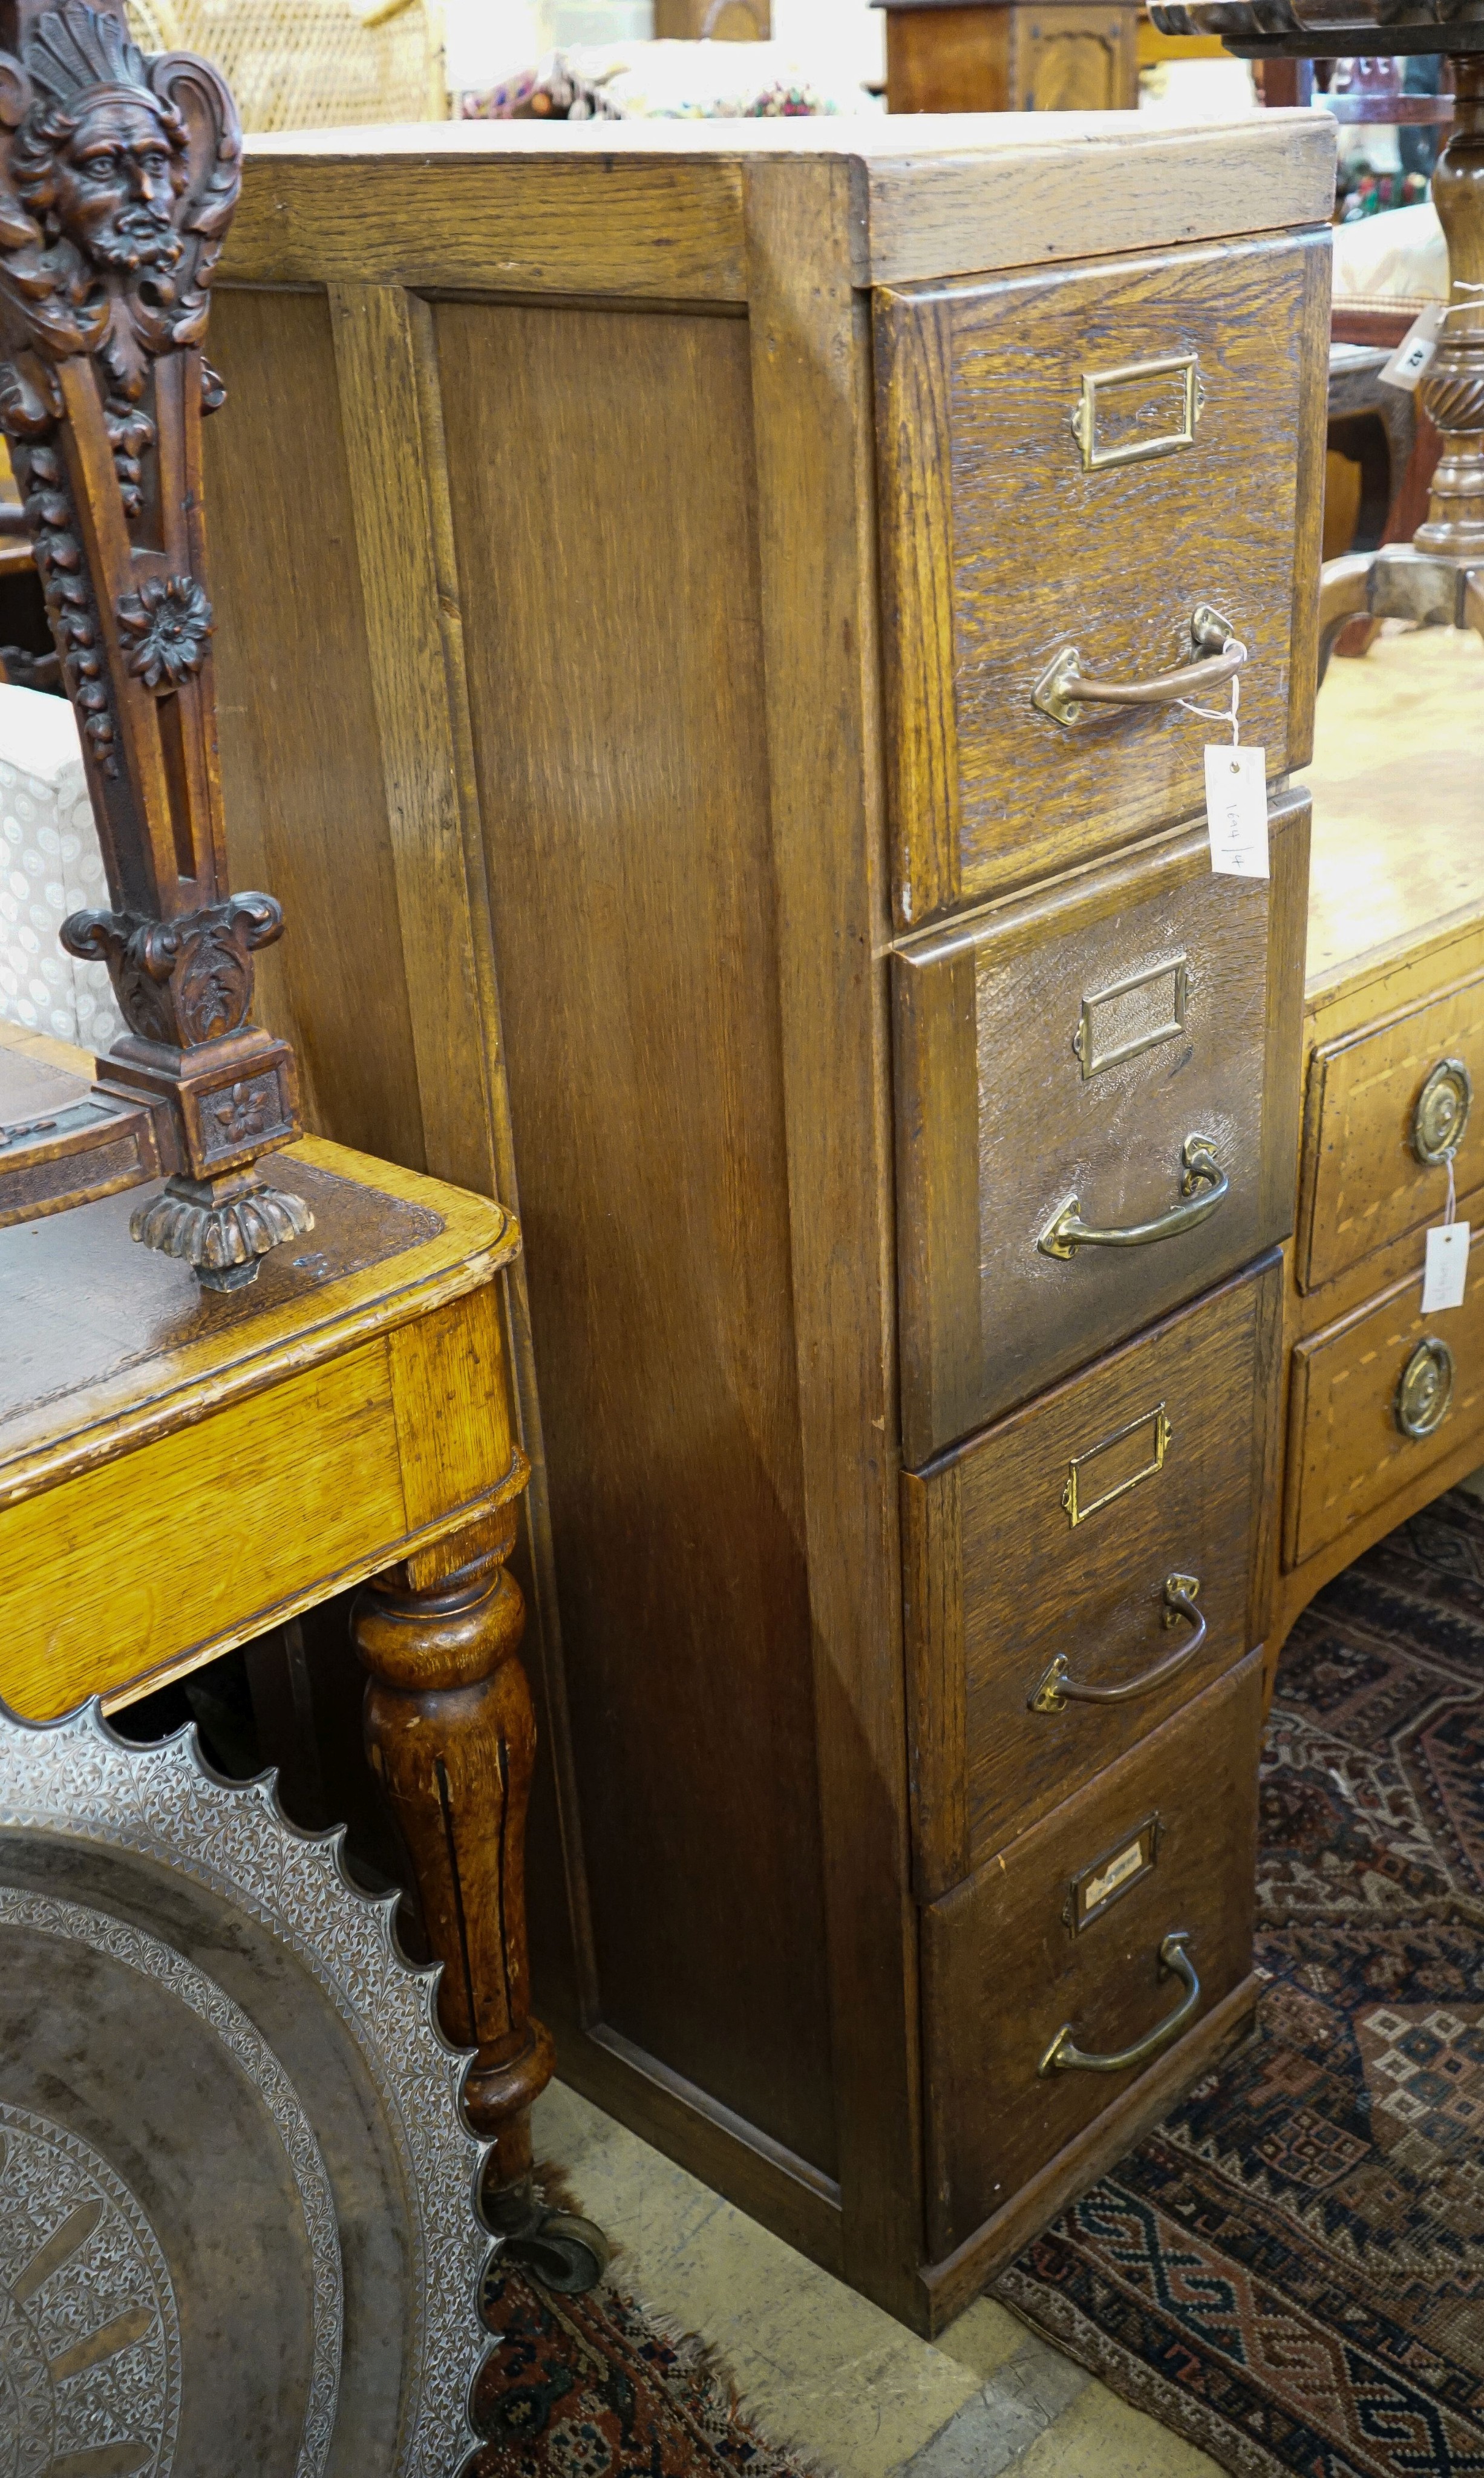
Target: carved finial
{"type": "Point", "coordinates": [118, 174]}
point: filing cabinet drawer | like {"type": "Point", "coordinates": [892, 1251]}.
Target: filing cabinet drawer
{"type": "Point", "coordinates": [1385, 1107]}
{"type": "Point", "coordinates": [1063, 1944]}
{"type": "Point", "coordinates": [1104, 1541]}
{"type": "Point", "coordinates": [1377, 1399]}
{"type": "Point", "coordinates": [1097, 1115]}
{"type": "Point", "coordinates": [1080, 460]}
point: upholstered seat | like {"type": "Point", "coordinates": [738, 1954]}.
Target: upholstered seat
{"type": "Point", "coordinates": [50, 864]}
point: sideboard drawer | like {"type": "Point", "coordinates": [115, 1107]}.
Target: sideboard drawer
{"type": "Point", "coordinates": [1065, 1933]}
{"type": "Point", "coordinates": [1375, 1399]}
{"type": "Point", "coordinates": [1082, 1545]}
{"type": "Point", "coordinates": [1385, 1106]}
{"type": "Point", "coordinates": [1110, 1049]}
{"type": "Point", "coordinates": [1082, 458]}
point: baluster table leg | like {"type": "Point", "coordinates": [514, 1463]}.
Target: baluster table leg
{"type": "Point", "coordinates": [451, 1736]}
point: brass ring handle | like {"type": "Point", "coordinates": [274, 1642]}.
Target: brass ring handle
{"type": "Point", "coordinates": [1057, 1690]}
{"type": "Point", "coordinates": [1064, 685]}
{"type": "Point", "coordinates": [1424, 1388]}
{"type": "Point", "coordinates": [1064, 2056]}
{"type": "Point", "coordinates": [1440, 1118]}
{"type": "Point", "coordinates": [1204, 1184]}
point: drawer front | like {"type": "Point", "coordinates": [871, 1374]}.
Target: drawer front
{"type": "Point", "coordinates": [1065, 1934]}
{"type": "Point", "coordinates": [1386, 1108]}
{"type": "Point", "coordinates": [1375, 1399]}
{"type": "Point", "coordinates": [1085, 1052]}
{"type": "Point", "coordinates": [1082, 457]}
{"type": "Point", "coordinates": [1082, 1547]}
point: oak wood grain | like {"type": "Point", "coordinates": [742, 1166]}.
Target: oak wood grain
{"type": "Point", "coordinates": [1016, 1109]}
{"type": "Point", "coordinates": [817, 531]}
{"type": "Point", "coordinates": [612, 635]}
{"type": "Point", "coordinates": [643, 210]}
{"type": "Point", "coordinates": [1016, 1582]}
{"type": "Point", "coordinates": [946, 2288]}
{"type": "Point", "coordinates": [1113, 562]}
{"type": "Point", "coordinates": [1002, 1971]}
{"type": "Point", "coordinates": [300, 742]}
{"type": "Point", "coordinates": [380, 335]}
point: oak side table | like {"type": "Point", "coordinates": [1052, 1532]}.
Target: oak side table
{"type": "Point", "coordinates": [180, 1471]}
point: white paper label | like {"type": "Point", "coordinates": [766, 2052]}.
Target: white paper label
{"type": "Point", "coordinates": [1412, 357]}
{"type": "Point", "coordinates": [1447, 1268]}
{"type": "Point", "coordinates": [1237, 811]}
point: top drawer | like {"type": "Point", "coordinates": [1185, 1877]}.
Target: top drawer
{"type": "Point", "coordinates": [1388, 1109]}
{"type": "Point", "coordinates": [1083, 458]}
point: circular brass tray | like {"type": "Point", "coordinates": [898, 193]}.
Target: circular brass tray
{"type": "Point", "coordinates": [236, 2222]}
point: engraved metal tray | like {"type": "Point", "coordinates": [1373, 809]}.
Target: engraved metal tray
{"type": "Point", "coordinates": [237, 2221]}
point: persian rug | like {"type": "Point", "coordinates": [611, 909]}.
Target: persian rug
{"type": "Point", "coordinates": [1289, 2271]}
{"type": "Point", "coordinates": [594, 2387]}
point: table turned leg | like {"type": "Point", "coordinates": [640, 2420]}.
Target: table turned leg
{"type": "Point", "coordinates": [451, 1736]}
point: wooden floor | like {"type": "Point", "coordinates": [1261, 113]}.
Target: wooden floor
{"type": "Point", "coordinates": [1399, 748]}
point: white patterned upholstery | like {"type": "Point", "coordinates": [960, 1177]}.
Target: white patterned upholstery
{"type": "Point", "coordinates": [50, 864]}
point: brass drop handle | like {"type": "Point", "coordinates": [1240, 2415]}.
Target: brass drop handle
{"type": "Point", "coordinates": [1057, 1690]}
{"type": "Point", "coordinates": [1203, 1183]}
{"type": "Point", "coordinates": [1064, 2056]}
{"type": "Point", "coordinates": [1064, 685]}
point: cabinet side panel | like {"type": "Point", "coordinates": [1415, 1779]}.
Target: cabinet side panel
{"type": "Point", "coordinates": [604, 511]}
{"type": "Point", "coordinates": [300, 747]}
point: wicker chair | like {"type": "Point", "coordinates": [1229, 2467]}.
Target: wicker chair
{"type": "Point", "coordinates": [310, 63]}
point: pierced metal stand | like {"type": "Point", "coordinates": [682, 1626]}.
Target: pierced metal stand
{"type": "Point", "coordinates": [1438, 578]}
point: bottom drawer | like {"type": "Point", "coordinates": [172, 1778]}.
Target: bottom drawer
{"type": "Point", "coordinates": [1375, 1399]}
{"type": "Point", "coordinates": [1066, 1935]}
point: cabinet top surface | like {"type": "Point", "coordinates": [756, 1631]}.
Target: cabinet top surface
{"type": "Point", "coordinates": [104, 1344]}
{"type": "Point", "coordinates": [1397, 863]}
{"type": "Point", "coordinates": [663, 210]}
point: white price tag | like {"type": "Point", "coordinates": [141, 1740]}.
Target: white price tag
{"type": "Point", "coordinates": [1237, 811]}
{"type": "Point", "coordinates": [1413, 356]}
{"type": "Point", "coordinates": [1447, 1269]}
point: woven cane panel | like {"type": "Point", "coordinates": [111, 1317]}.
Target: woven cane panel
{"type": "Point", "coordinates": [307, 63]}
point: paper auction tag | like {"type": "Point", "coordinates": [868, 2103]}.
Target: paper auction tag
{"type": "Point", "coordinates": [1237, 811]}
{"type": "Point", "coordinates": [1447, 1269]}
{"type": "Point", "coordinates": [1413, 356]}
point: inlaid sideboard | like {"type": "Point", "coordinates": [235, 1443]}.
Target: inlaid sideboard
{"type": "Point", "coordinates": [725, 593]}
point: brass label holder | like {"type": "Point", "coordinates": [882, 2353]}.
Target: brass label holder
{"type": "Point", "coordinates": [1125, 1863]}
{"type": "Point", "coordinates": [1176, 969]}
{"type": "Point", "coordinates": [1100, 390]}
{"type": "Point", "coordinates": [1078, 1504]}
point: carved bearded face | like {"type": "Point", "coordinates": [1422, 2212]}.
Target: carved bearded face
{"type": "Point", "coordinates": [116, 183]}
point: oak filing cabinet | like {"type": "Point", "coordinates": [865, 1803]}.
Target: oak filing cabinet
{"type": "Point", "coordinates": [724, 591]}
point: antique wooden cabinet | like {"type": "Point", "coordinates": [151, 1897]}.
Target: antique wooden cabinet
{"type": "Point", "coordinates": [1384, 1406]}
{"type": "Point", "coordinates": [657, 542]}
{"type": "Point", "coordinates": [1012, 55]}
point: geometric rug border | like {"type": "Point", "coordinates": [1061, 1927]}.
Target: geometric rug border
{"type": "Point", "coordinates": [1056, 2318]}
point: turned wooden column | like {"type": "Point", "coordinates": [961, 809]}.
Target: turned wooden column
{"type": "Point", "coordinates": [1453, 389]}
{"type": "Point", "coordinates": [451, 1736]}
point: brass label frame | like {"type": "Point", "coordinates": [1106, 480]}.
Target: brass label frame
{"type": "Point", "coordinates": [1095, 1062]}
{"type": "Point", "coordinates": [1084, 416]}
{"type": "Point", "coordinates": [1113, 1873]}
{"type": "Point", "coordinates": [1077, 1508]}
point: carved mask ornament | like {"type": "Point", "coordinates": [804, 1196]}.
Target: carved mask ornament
{"type": "Point", "coordinates": [118, 176]}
